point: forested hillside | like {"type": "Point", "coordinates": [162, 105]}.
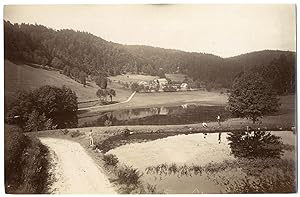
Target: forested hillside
{"type": "Point", "coordinates": [82, 51]}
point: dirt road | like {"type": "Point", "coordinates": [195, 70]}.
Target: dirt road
{"type": "Point", "coordinates": [74, 172]}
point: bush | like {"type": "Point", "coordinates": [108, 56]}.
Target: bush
{"type": "Point", "coordinates": [26, 164]}
{"type": "Point", "coordinates": [149, 189]}
{"type": "Point", "coordinates": [65, 131]}
{"type": "Point", "coordinates": [14, 145]}
{"type": "Point", "coordinates": [107, 123]}
{"type": "Point", "coordinates": [126, 132]}
{"type": "Point", "coordinates": [76, 133]}
{"type": "Point", "coordinates": [169, 89]}
{"type": "Point", "coordinates": [128, 176]}
{"type": "Point", "coordinates": [110, 160]}
{"type": "Point", "coordinates": [43, 108]}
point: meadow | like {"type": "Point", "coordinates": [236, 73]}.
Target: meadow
{"type": "Point", "coordinates": [24, 77]}
{"type": "Point", "coordinates": [131, 78]}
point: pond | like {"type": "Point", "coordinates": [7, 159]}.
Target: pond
{"type": "Point", "coordinates": [184, 114]}
{"type": "Point", "coordinates": [215, 162]}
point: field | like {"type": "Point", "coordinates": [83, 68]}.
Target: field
{"type": "Point", "coordinates": [24, 77]}
{"type": "Point", "coordinates": [176, 77]}
{"type": "Point", "coordinates": [130, 78]}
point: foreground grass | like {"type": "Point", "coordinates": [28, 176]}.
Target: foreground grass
{"type": "Point", "coordinates": [271, 175]}
{"type": "Point", "coordinates": [26, 164]}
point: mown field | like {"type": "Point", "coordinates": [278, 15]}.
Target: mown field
{"type": "Point", "coordinates": [176, 77]}
{"type": "Point", "coordinates": [131, 78]}
{"type": "Point", "coordinates": [24, 77]}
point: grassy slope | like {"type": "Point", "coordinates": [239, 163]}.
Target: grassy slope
{"type": "Point", "coordinates": [23, 77]}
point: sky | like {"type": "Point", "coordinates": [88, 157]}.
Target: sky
{"type": "Point", "coordinates": [223, 30]}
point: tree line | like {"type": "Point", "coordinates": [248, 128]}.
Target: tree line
{"type": "Point", "coordinates": [79, 53]}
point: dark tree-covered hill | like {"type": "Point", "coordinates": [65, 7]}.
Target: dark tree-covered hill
{"type": "Point", "coordinates": [91, 54]}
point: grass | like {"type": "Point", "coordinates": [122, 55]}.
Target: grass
{"type": "Point", "coordinates": [128, 176]}
{"type": "Point", "coordinates": [130, 78]}
{"type": "Point", "coordinates": [110, 160]}
{"type": "Point", "coordinates": [271, 175]}
{"type": "Point", "coordinates": [176, 77]}
{"type": "Point", "coordinates": [24, 77]}
{"type": "Point", "coordinates": [76, 133]}
{"type": "Point", "coordinates": [26, 163]}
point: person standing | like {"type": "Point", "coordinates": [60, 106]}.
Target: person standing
{"type": "Point", "coordinates": [91, 138]}
{"type": "Point", "coordinates": [219, 138]}
{"type": "Point", "coordinates": [219, 119]}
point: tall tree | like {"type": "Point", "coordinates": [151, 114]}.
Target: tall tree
{"type": "Point", "coordinates": [111, 93]}
{"type": "Point", "coordinates": [101, 94]}
{"type": "Point", "coordinates": [57, 63]}
{"type": "Point", "coordinates": [251, 97]}
{"type": "Point", "coordinates": [101, 81]}
{"type": "Point", "coordinates": [82, 78]}
{"type": "Point", "coordinates": [66, 70]}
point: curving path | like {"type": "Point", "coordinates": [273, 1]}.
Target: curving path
{"type": "Point", "coordinates": [74, 172]}
{"type": "Point", "coordinates": [101, 106]}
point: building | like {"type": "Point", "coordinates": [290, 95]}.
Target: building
{"type": "Point", "coordinates": [144, 83]}
{"type": "Point", "coordinates": [162, 82]}
{"type": "Point", "coordinates": [184, 86]}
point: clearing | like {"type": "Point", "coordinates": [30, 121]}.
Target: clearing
{"type": "Point", "coordinates": [176, 77]}
{"type": "Point", "coordinates": [130, 78]}
{"type": "Point", "coordinates": [74, 171]}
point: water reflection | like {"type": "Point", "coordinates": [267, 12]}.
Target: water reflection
{"type": "Point", "coordinates": [255, 144]}
{"type": "Point", "coordinates": [161, 115]}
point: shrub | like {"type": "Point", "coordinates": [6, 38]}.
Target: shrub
{"type": "Point", "coordinates": [26, 164]}
{"type": "Point", "coordinates": [75, 133]}
{"type": "Point", "coordinates": [128, 176]}
{"type": "Point", "coordinates": [14, 145]}
{"type": "Point", "coordinates": [169, 89]}
{"type": "Point", "coordinates": [107, 123]}
{"type": "Point", "coordinates": [43, 108]}
{"type": "Point", "coordinates": [65, 131]}
{"type": "Point", "coordinates": [110, 160]}
{"type": "Point", "coordinates": [149, 189]}
{"type": "Point", "coordinates": [126, 132]}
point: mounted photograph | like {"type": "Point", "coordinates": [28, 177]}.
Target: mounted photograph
{"type": "Point", "coordinates": [150, 99]}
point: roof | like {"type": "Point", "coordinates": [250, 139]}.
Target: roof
{"type": "Point", "coordinates": [162, 80]}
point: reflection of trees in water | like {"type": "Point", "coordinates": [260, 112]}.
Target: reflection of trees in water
{"type": "Point", "coordinates": [256, 144]}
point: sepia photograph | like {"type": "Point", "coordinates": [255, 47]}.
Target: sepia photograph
{"type": "Point", "coordinates": [150, 98]}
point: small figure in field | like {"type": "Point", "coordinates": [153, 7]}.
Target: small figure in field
{"type": "Point", "coordinates": [219, 119]}
{"type": "Point", "coordinates": [219, 138]}
{"type": "Point", "coordinates": [204, 124]}
{"type": "Point", "coordinates": [91, 138]}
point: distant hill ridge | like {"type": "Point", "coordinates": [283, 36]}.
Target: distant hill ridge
{"type": "Point", "coordinates": [93, 55]}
